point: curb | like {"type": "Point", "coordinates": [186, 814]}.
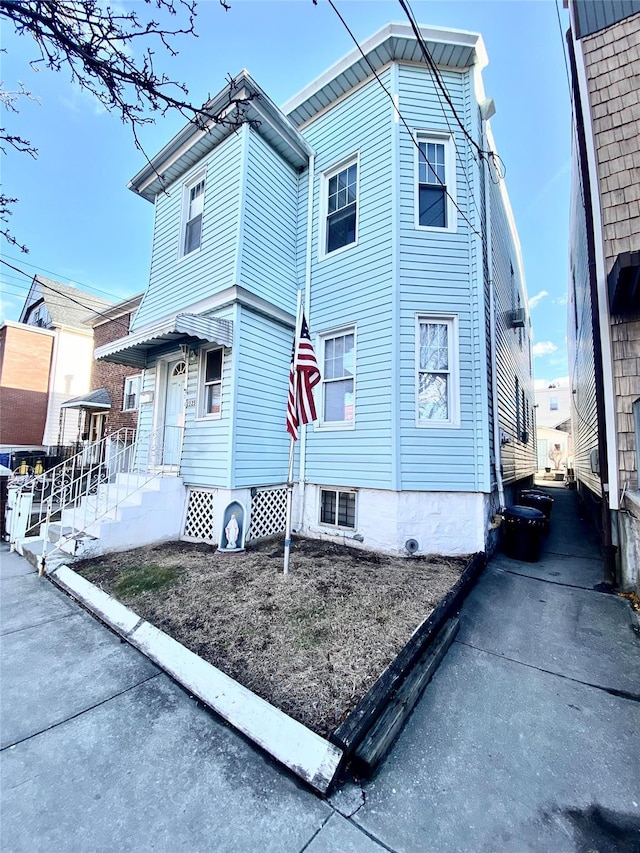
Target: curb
{"type": "Point", "coordinates": [311, 757]}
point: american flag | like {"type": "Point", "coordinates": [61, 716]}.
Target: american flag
{"type": "Point", "coordinates": [305, 365]}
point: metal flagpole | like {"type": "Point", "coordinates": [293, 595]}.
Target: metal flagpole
{"type": "Point", "coordinates": [292, 443]}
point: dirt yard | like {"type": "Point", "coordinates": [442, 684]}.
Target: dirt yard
{"type": "Point", "coordinates": [312, 642]}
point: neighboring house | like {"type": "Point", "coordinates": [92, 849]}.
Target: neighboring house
{"type": "Point", "coordinates": [46, 358]}
{"type": "Point", "coordinates": [553, 426]}
{"type": "Point", "coordinates": [404, 245]}
{"type": "Point", "coordinates": [111, 403]}
{"type": "Point", "coordinates": [604, 289]}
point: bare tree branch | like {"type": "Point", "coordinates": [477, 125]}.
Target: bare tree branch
{"type": "Point", "coordinates": [110, 54]}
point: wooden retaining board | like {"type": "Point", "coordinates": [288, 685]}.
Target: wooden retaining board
{"type": "Point", "coordinates": [353, 730]}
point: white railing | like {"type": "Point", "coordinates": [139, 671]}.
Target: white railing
{"type": "Point", "coordinates": [85, 488]}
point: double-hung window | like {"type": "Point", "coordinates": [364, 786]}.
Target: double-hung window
{"type": "Point", "coordinates": [338, 378]}
{"type": "Point", "coordinates": [131, 393]}
{"type": "Point", "coordinates": [435, 185]}
{"type": "Point", "coordinates": [437, 372]}
{"type": "Point", "coordinates": [211, 383]}
{"type": "Point", "coordinates": [193, 205]}
{"type": "Point", "coordinates": [337, 508]}
{"type": "Point", "coordinates": [341, 189]}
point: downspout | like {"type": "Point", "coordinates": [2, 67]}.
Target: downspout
{"type": "Point", "coordinates": [307, 307]}
{"type": "Point", "coordinates": [497, 457]}
{"type": "Point", "coordinates": [607, 541]}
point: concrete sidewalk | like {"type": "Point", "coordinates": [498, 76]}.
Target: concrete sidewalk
{"type": "Point", "coordinates": [526, 739]}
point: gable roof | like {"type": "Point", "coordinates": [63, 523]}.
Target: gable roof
{"type": "Point", "coordinates": [67, 306]}
{"type": "Point", "coordinates": [191, 144]}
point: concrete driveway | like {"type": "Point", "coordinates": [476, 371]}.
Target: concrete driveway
{"type": "Point", "coordinates": [525, 740]}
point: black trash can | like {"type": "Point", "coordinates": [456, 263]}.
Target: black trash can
{"type": "Point", "coordinates": [537, 500]}
{"type": "Point", "coordinates": [523, 528]}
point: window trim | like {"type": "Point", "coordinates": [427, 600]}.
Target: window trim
{"type": "Point", "coordinates": [452, 321]}
{"type": "Point", "coordinates": [201, 415]}
{"type": "Point", "coordinates": [450, 182]}
{"type": "Point", "coordinates": [126, 379]}
{"type": "Point", "coordinates": [338, 490]}
{"type": "Point", "coordinates": [339, 331]}
{"type": "Point", "coordinates": [201, 175]}
{"type": "Point", "coordinates": [325, 177]}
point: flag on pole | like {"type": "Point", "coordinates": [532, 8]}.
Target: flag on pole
{"type": "Point", "coordinates": [304, 375]}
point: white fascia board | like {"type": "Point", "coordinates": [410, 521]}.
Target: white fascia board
{"type": "Point", "coordinates": [604, 318]}
{"type": "Point", "coordinates": [13, 324]}
{"type": "Point", "coordinates": [391, 30]}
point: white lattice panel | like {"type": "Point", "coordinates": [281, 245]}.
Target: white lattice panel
{"type": "Point", "coordinates": [268, 512]}
{"type": "Point", "coordinates": [200, 523]}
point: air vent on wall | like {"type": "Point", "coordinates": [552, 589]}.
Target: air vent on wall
{"type": "Point", "coordinates": [517, 318]}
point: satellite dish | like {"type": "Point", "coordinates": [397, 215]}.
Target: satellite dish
{"type": "Point", "coordinates": [411, 545]}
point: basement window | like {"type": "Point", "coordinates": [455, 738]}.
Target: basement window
{"type": "Point", "coordinates": [338, 508]}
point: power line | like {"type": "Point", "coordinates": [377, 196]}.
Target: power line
{"type": "Point", "coordinates": [402, 119]}
{"type": "Point", "coordinates": [65, 296]}
{"type": "Point", "coordinates": [59, 275]}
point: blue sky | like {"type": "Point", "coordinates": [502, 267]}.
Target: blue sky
{"type": "Point", "coordinates": [84, 227]}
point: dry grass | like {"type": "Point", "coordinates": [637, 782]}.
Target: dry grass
{"type": "Point", "coordinates": [312, 643]}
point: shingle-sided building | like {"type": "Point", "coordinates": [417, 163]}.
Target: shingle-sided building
{"type": "Point", "coordinates": [604, 287]}
{"type": "Point", "coordinates": [373, 197]}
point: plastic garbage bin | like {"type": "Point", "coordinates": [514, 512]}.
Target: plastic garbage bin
{"type": "Point", "coordinates": [523, 528]}
{"type": "Point", "coordinates": [537, 500]}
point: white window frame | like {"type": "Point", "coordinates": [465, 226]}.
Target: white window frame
{"type": "Point", "coordinates": [127, 379]}
{"type": "Point", "coordinates": [451, 320]}
{"type": "Point", "coordinates": [201, 176]}
{"type": "Point", "coordinates": [325, 177]}
{"type": "Point", "coordinates": [202, 367]}
{"type": "Point", "coordinates": [450, 180]}
{"type": "Point", "coordinates": [322, 338]}
{"type": "Point", "coordinates": [338, 491]}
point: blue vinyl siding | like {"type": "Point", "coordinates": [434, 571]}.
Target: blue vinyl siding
{"type": "Point", "coordinates": [260, 437]}
{"type": "Point", "coordinates": [175, 283]}
{"type": "Point", "coordinates": [437, 277]}
{"type": "Point", "coordinates": [355, 286]}
{"type": "Point", "coordinates": [270, 212]}
{"type": "Point", "coordinates": [206, 449]}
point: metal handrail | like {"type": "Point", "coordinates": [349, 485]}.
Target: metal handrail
{"type": "Point", "coordinates": [87, 485]}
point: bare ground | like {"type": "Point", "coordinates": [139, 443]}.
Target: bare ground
{"type": "Point", "coordinates": [312, 642]}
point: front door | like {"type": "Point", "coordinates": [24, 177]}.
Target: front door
{"type": "Point", "coordinates": [173, 421]}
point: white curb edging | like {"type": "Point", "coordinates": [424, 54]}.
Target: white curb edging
{"type": "Point", "coordinates": [308, 755]}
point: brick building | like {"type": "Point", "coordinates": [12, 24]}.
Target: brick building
{"type": "Point", "coordinates": [112, 401]}
{"type": "Point", "coordinates": [25, 363]}
{"type": "Point", "coordinates": [604, 291]}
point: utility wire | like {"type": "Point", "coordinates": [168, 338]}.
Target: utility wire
{"type": "Point", "coordinates": [59, 275]}
{"type": "Point", "coordinates": [66, 297]}
{"type": "Point", "coordinates": [402, 119]}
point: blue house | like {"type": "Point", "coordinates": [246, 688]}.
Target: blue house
{"type": "Point", "coordinates": [372, 191]}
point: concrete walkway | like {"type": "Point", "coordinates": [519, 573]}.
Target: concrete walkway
{"type": "Point", "coordinates": [526, 739]}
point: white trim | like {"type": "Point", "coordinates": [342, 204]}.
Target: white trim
{"type": "Point", "coordinates": [453, 421]}
{"type": "Point", "coordinates": [601, 284]}
{"type": "Point", "coordinates": [325, 177]}
{"type": "Point", "coordinates": [187, 186]}
{"type": "Point", "coordinates": [200, 393]}
{"type": "Point", "coordinates": [447, 140]}
{"type": "Point", "coordinates": [126, 379]}
{"type": "Point", "coordinates": [339, 331]}
{"type": "Point", "coordinates": [338, 491]}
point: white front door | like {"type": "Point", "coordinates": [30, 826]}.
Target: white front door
{"type": "Point", "coordinates": [173, 420]}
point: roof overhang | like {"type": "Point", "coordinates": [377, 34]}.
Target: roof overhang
{"type": "Point", "coordinates": [242, 101]}
{"type": "Point", "coordinates": [134, 349]}
{"type": "Point", "coordinates": [98, 400]}
{"type": "Point", "coordinates": [624, 284]}
{"type": "Point", "coordinates": [394, 42]}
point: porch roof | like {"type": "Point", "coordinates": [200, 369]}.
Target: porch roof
{"type": "Point", "coordinates": [98, 400]}
{"type": "Point", "coordinates": [134, 349]}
